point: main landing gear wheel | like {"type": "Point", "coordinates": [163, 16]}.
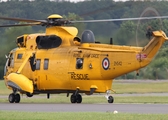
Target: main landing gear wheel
{"type": "Point", "coordinates": [17, 98]}
{"type": "Point", "coordinates": [11, 98]}
{"type": "Point", "coordinates": [73, 98]}
{"type": "Point", "coordinates": [29, 95]}
{"type": "Point", "coordinates": [76, 98]}
{"type": "Point", "coordinates": [14, 98]}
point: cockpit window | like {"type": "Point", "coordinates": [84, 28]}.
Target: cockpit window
{"type": "Point", "coordinates": [19, 56]}
{"type": "Point", "coordinates": [11, 60]}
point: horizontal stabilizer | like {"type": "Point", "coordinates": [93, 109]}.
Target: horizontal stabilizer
{"type": "Point", "coordinates": [160, 34]}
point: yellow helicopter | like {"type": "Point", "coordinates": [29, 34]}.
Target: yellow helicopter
{"type": "Point", "coordinates": [58, 61]}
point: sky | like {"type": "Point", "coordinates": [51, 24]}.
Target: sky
{"type": "Point", "coordinates": [76, 0]}
{"type": "Point", "coordinates": [83, 0]}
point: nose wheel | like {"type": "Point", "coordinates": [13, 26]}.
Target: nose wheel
{"type": "Point", "coordinates": [76, 98]}
{"type": "Point", "coordinates": [14, 98]}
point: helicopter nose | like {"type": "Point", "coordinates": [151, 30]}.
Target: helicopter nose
{"type": "Point", "coordinates": [5, 68]}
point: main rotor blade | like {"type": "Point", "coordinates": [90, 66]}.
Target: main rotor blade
{"type": "Point", "coordinates": [17, 25]}
{"type": "Point", "coordinates": [121, 19]}
{"type": "Point", "coordinates": [22, 20]}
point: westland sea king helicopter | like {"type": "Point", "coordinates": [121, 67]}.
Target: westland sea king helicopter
{"type": "Point", "coordinates": [58, 61]}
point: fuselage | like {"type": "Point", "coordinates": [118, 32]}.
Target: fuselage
{"type": "Point", "coordinates": [84, 65]}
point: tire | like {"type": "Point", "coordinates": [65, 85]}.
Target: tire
{"type": "Point", "coordinates": [11, 98]}
{"type": "Point", "coordinates": [17, 98]}
{"type": "Point", "coordinates": [73, 99]}
{"type": "Point", "coordinates": [29, 95]}
{"type": "Point", "coordinates": [110, 99]}
{"type": "Point", "coordinates": [78, 98]}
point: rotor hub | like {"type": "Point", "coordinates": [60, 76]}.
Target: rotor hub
{"type": "Point", "coordinates": [55, 16]}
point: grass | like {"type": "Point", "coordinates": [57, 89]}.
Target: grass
{"type": "Point", "coordinates": [3, 88]}
{"type": "Point", "coordinates": [6, 115]}
{"type": "Point", "coordinates": [144, 87]}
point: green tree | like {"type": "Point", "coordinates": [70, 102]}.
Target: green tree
{"type": "Point", "coordinates": [126, 33]}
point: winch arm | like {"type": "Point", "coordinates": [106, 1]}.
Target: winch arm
{"type": "Point", "coordinates": [24, 62]}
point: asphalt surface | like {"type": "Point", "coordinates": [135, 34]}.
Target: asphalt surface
{"type": "Point", "coordinates": [121, 108]}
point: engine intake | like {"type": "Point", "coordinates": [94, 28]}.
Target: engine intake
{"type": "Point", "coordinates": [48, 42]}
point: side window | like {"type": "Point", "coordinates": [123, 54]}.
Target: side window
{"type": "Point", "coordinates": [79, 63]}
{"type": "Point", "coordinates": [46, 62]}
{"type": "Point", "coordinates": [38, 62]}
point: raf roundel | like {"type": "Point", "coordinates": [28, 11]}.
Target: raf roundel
{"type": "Point", "coordinates": [105, 63]}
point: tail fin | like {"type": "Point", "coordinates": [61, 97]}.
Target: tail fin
{"type": "Point", "coordinates": [150, 50]}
